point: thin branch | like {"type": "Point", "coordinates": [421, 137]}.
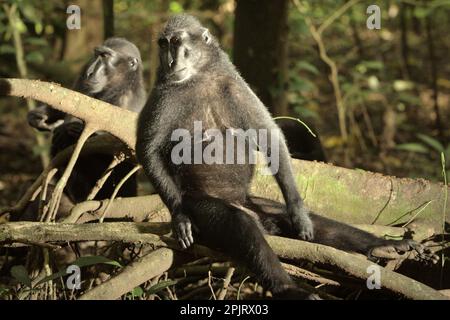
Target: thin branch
{"type": "Point", "coordinates": [334, 79]}
{"type": "Point", "coordinates": [339, 12]}
{"type": "Point", "coordinates": [116, 190]}
{"type": "Point", "coordinates": [59, 188]}
{"type": "Point", "coordinates": [117, 159]}
{"type": "Point", "coordinates": [226, 283]}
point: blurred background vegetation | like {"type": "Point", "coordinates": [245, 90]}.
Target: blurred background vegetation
{"type": "Point", "coordinates": [378, 99]}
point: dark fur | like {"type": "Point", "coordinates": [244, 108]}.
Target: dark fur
{"type": "Point", "coordinates": [301, 143]}
{"type": "Point", "coordinates": [124, 88]}
{"type": "Point", "coordinates": [209, 199]}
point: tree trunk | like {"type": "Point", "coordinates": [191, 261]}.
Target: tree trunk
{"type": "Point", "coordinates": [108, 18]}
{"type": "Point", "coordinates": [80, 43]}
{"type": "Point", "coordinates": [261, 49]}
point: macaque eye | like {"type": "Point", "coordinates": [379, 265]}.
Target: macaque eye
{"type": "Point", "coordinates": [162, 42]}
{"type": "Point", "coordinates": [102, 54]}
{"type": "Point", "coordinates": [133, 63]}
{"type": "Point", "coordinates": [175, 41]}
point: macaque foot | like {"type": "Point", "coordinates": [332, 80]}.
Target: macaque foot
{"type": "Point", "coordinates": [183, 230]}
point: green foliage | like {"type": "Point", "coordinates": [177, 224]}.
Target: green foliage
{"type": "Point", "coordinates": [35, 57]}
{"type": "Point", "coordinates": [175, 7]}
{"type": "Point", "coordinates": [301, 88]}
{"type": "Point", "coordinates": [413, 147]}
{"type": "Point", "coordinates": [135, 293]}
{"type": "Point", "coordinates": [429, 145]}
{"type": "Point", "coordinates": [20, 273]}
{"type": "Point", "coordinates": [161, 286]}
{"type": "Point", "coordinates": [4, 292]}
{"type": "Point", "coordinates": [306, 66]}
{"type": "Point", "coordinates": [93, 260]}
{"type": "Point", "coordinates": [433, 143]}
{"type": "Point", "coordinates": [6, 49]}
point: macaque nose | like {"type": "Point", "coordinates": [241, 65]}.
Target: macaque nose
{"type": "Point", "coordinates": [169, 59]}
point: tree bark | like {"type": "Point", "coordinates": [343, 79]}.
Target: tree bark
{"type": "Point", "coordinates": [133, 275]}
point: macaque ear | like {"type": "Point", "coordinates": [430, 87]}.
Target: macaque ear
{"type": "Point", "coordinates": [206, 36]}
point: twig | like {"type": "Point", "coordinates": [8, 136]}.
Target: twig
{"type": "Point", "coordinates": [339, 12]}
{"type": "Point", "coordinates": [308, 275]}
{"type": "Point", "coordinates": [240, 287]}
{"type": "Point", "coordinates": [116, 190]}
{"type": "Point", "coordinates": [117, 159]}
{"type": "Point", "coordinates": [226, 283]}
{"type": "Point", "coordinates": [334, 79]}
{"type": "Point", "coordinates": [59, 188]}
{"type": "Point", "coordinates": [210, 285]}
{"type": "Point", "coordinates": [43, 209]}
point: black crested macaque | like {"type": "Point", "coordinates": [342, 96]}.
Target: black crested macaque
{"type": "Point", "coordinates": [210, 202]}
{"type": "Point", "coordinates": [114, 75]}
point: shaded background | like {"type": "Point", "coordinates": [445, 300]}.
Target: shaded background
{"type": "Point", "coordinates": [384, 108]}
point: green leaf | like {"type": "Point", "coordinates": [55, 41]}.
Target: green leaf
{"type": "Point", "coordinates": [435, 144]}
{"type": "Point", "coordinates": [35, 57]}
{"type": "Point", "coordinates": [372, 64]}
{"type": "Point", "coordinates": [37, 41]}
{"type": "Point", "coordinates": [409, 98]}
{"type": "Point", "coordinates": [175, 7]}
{"type": "Point", "coordinates": [373, 82]}
{"type": "Point", "coordinates": [32, 13]}
{"type": "Point", "coordinates": [4, 290]}
{"type": "Point", "coordinates": [412, 147]}
{"type": "Point", "coordinates": [304, 65]}
{"type": "Point", "coordinates": [447, 154]}
{"type": "Point", "coordinates": [301, 84]}
{"type": "Point", "coordinates": [136, 292]}
{"type": "Point", "coordinates": [92, 260]}
{"type": "Point", "coordinates": [304, 112]}
{"type": "Point", "coordinates": [402, 85]}
{"type": "Point", "coordinates": [421, 12]}
{"type": "Point", "coordinates": [52, 277]}
{"type": "Point", "coordinates": [160, 286]}
{"type": "Point", "coordinates": [7, 49]}
{"type": "Point", "coordinates": [21, 274]}
{"type": "Point", "coordinates": [82, 262]}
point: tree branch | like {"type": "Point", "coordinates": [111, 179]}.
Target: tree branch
{"type": "Point", "coordinates": [294, 250]}
{"type": "Point", "coordinates": [98, 115]}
